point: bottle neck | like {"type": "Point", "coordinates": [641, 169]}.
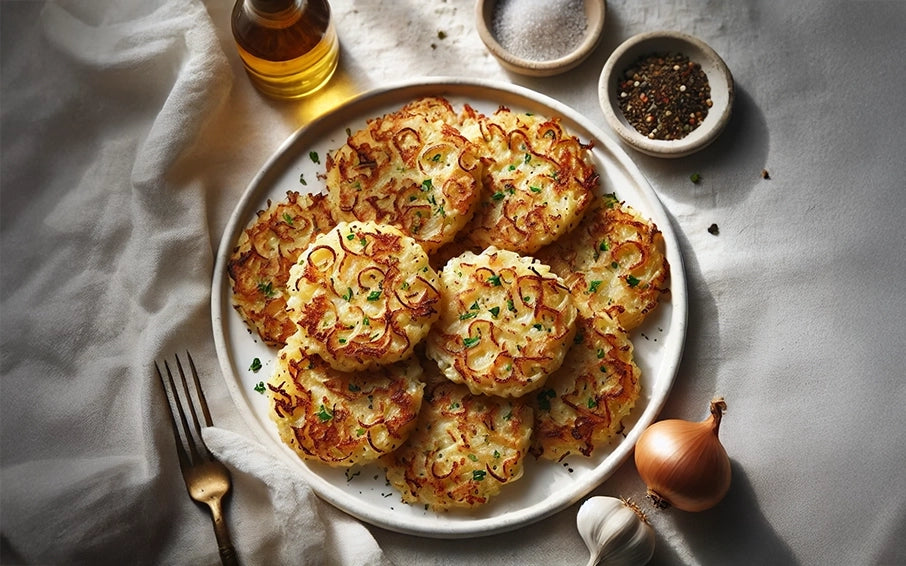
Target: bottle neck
{"type": "Point", "coordinates": [274, 13]}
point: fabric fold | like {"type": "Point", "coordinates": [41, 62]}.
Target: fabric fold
{"type": "Point", "coordinates": [311, 531]}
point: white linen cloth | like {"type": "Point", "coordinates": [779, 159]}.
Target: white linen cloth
{"type": "Point", "coordinates": [129, 131]}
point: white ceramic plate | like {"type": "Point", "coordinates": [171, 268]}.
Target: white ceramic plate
{"type": "Point", "coordinates": [546, 487]}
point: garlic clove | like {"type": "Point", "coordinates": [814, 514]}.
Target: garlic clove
{"type": "Point", "coordinates": [615, 531]}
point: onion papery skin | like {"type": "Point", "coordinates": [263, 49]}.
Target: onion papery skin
{"type": "Point", "coordinates": [683, 463]}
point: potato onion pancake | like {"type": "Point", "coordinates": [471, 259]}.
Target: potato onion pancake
{"type": "Point", "coordinates": [342, 418]}
{"type": "Point", "coordinates": [363, 295]}
{"type": "Point", "coordinates": [614, 263]}
{"type": "Point", "coordinates": [260, 263]}
{"type": "Point", "coordinates": [506, 322]}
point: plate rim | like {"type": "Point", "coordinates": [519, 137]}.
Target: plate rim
{"type": "Point", "coordinates": [330, 493]}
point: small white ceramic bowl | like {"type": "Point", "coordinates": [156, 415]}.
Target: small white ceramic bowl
{"type": "Point", "coordinates": [719, 79]}
{"type": "Point", "coordinates": [484, 21]}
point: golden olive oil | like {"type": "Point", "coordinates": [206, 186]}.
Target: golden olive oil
{"type": "Point", "coordinates": [289, 47]}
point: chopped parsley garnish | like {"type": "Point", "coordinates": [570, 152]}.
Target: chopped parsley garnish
{"type": "Point", "coordinates": [470, 341]}
{"type": "Point", "coordinates": [324, 414]}
{"type": "Point", "coordinates": [603, 247]}
{"type": "Point", "coordinates": [287, 218]}
{"type": "Point", "coordinates": [256, 365]}
{"type": "Point", "coordinates": [632, 281]}
{"type": "Point", "coordinates": [535, 189]}
{"type": "Point", "coordinates": [267, 289]}
{"type": "Point", "coordinates": [593, 287]}
{"type": "Point", "coordinates": [436, 158]}
{"type": "Point", "coordinates": [478, 475]}
{"type": "Point", "coordinates": [497, 196]}
{"type": "Point", "coordinates": [695, 178]}
{"type": "Point", "coordinates": [544, 399]}
{"type": "Point", "coordinates": [348, 294]}
{"type": "Point", "coordinates": [302, 179]}
{"type": "Point", "coordinates": [494, 311]}
{"type": "Point", "coordinates": [350, 236]}
{"type": "Point", "coordinates": [313, 155]}
{"type": "Point", "coordinates": [468, 315]}
{"type": "Point", "coordinates": [592, 403]}
{"type": "Point", "coordinates": [374, 295]}
{"type": "Point", "coordinates": [259, 387]}
{"type": "Point", "coordinates": [427, 185]}
{"type": "Point", "coordinates": [494, 280]}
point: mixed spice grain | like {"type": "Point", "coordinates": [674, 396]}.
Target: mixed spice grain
{"type": "Point", "coordinates": [664, 96]}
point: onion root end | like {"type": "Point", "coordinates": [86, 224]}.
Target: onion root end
{"type": "Point", "coordinates": [657, 500]}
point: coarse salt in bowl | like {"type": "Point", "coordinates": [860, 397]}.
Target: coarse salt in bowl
{"type": "Point", "coordinates": [719, 79]}
{"type": "Point", "coordinates": [540, 37]}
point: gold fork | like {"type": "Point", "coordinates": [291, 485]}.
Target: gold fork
{"type": "Point", "coordinates": [207, 479]}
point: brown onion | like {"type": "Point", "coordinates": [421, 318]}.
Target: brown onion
{"type": "Point", "coordinates": [683, 463]}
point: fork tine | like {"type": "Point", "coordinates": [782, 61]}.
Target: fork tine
{"type": "Point", "coordinates": [180, 450]}
{"type": "Point", "coordinates": [201, 398]}
{"type": "Point", "coordinates": [193, 440]}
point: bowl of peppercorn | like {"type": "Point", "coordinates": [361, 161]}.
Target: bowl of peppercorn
{"type": "Point", "coordinates": [666, 93]}
{"type": "Point", "coordinates": [540, 37]}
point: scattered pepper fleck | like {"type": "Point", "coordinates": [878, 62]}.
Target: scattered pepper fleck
{"type": "Point", "coordinates": [695, 178]}
{"type": "Point", "coordinates": [713, 229]}
{"type": "Point", "coordinates": [441, 34]}
{"type": "Point", "coordinates": [765, 175]}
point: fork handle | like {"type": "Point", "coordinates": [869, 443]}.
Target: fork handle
{"type": "Point", "coordinates": [224, 544]}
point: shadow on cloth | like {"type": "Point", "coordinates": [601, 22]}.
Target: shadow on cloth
{"type": "Point", "coordinates": [744, 141]}
{"type": "Point", "coordinates": [705, 538]}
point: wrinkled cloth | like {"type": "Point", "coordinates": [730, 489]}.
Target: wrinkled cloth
{"type": "Point", "coordinates": [107, 188]}
{"type": "Point", "coordinates": [129, 132]}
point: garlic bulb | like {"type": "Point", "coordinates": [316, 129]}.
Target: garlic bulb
{"type": "Point", "coordinates": [615, 531]}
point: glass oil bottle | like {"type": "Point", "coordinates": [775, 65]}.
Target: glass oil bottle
{"type": "Point", "coordinates": [289, 47]}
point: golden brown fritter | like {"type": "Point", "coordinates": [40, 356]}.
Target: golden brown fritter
{"type": "Point", "coordinates": [363, 295]}
{"type": "Point", "coordinates": [260, 263]}
{"type": "Point", "coordinates": [582, 405]}
{"type": "Point", "coordinates": [341, 418]}
{"type": "Point", "coordinates": [614, 263]}
{"type": "Point", "coordinates": [538, 180]}
{"type": "Point", "coordinates": [506, 323]}
{"type": "Point", "coordinates": [411, 169]}
{"type": "Point", "coordinates": [464, 449]}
